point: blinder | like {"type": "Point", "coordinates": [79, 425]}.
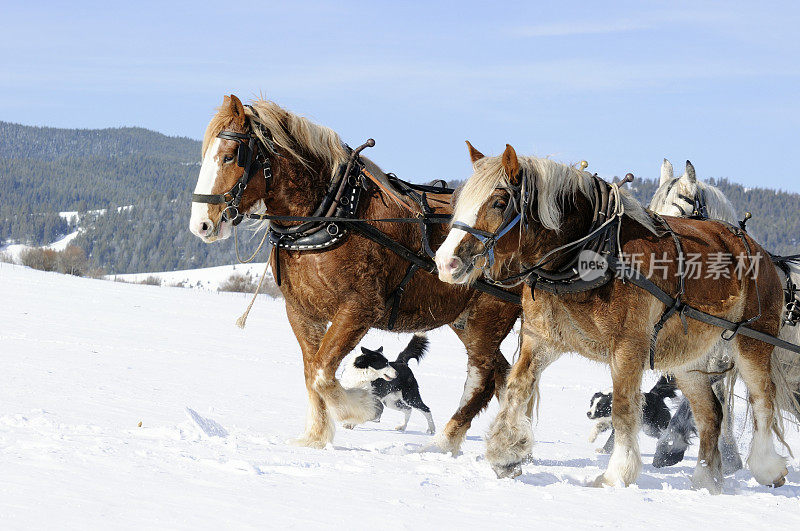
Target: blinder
{"type": "Point", "coordinates": [249, 155]}
{"type": "Point", "coordinates": [698, 202]}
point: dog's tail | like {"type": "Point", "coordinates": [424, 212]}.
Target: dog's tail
{"type": "Point", "coordinates": [664, 388]}
{"type": "Point", "coordinates": [415, 349]}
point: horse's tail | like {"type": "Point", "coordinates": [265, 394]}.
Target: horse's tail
{"type": "Point", "coordinates": [415, 349]}
{"type": "Point", "coordinates": [785, 370]}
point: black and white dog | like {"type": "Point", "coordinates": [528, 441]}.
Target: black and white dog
{"type": "Point", "coordinates": [674, 437]}
{"type": "Point", "coordinates": [391, 381]}
{"type": "Point", "coordinates": [655, 412]}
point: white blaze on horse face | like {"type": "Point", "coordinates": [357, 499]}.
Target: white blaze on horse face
{"type": "Point", "coordinates": [205, 184]}
{"type": "Point", "coordinates": [446, 252]}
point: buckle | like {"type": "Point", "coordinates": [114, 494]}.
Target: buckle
{"type": "Point", "coordinates": [226, 216]}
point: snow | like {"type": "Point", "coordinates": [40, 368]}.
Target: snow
{"type": "Point", "coordinates": [63, 243]}
{"type": "Point", "coordinates": [73, 216]}
{"type": "Point", "coordinates": [208, 278]}
{"type": "Point", "coordinates": [15, 250]}
{"type": "Point", "coordinates": [84, 361]}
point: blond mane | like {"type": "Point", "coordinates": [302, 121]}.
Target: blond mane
{"type": "Point", "coordinates": [293, 133]}
{"type": "Point", "coordinates": [556, 183]}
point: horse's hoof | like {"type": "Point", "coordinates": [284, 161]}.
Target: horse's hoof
{"type": "Point", "coordinates": [308, 443]}
{"type": "Point", "coordinates": [602, 481]}
{"type": "Point", "coordinates": [781, 481]}
{"type": "Point", "coordinates": [662, 459]}
{"type": "Point", "coordinates": [507, 471]}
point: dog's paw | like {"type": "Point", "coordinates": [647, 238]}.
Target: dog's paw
{"type": "Point", "coordinates": [401, 427]}
{"type": "Point", "coordinates": [348, 426]}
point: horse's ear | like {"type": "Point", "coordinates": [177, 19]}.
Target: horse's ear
{"type": "Point", "coordinates": [511, 165]}
{"type": "Point", "coordinates": [237, 110]}
{"type": "Point", "coordinates": [690, 173]}
{"type": "Point", "coordinates": [666, 172]}
{"type": "Point", "coordinates": [474, 154]}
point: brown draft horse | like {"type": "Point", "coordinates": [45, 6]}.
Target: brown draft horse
{"type": "Point", "coordinates": [614, 323]}
{"type": "Point", "coordinates": [334, 296]}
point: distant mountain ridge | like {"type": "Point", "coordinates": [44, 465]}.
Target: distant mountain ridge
{"type": "Point", "coordinates": [46, 170]}
{"type": "Point", "coordinates": [49, 143]}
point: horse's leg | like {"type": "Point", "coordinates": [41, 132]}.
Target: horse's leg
{"type": "Point", "coordinates": [720, 361]}
{"type": "Point", "coordinates": [486, 370]}
{"type": "Point", "coordinates": [707, 412]}
{"type": "Point", "coordinates": [319, 426]}
{"type": "Point", "coordinates": [349, 406]}
{"type": "Point", "coordinates": [510, 437]}
{"type": "Point", "coordinates": [626, 413]}
{"type": "Point", "coordinates": [754, 358]}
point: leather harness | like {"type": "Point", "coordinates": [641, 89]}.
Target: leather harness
{"type": "Point", "coordinates": [341, 204]}
{"type": "Point", "coordinates": [603, 239]}
{"type": "Point", "coordinates": [335, 215]}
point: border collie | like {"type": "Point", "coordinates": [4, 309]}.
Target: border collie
{"type": "Point", "coordinates": [678, 436]}
{"type": "Point", "coordinates": [391, 381]}
{"type": "Point", "coordinates": [655, 412]}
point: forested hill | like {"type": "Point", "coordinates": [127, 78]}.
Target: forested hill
{"type": "Point", "coordinates": [49, 143]}
{"type": "Point", "coordinates": [52, 170]}
{"type": "Point", "coordinates": [44, 171]}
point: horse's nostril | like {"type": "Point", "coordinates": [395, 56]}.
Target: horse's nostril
{"type": "Point", "coordinates": [204, 226]}
{"type": "Point", "coordinates": [454, 263]}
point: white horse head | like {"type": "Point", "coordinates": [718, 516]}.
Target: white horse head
{"type": "Point", "coordinates": [676, 196]}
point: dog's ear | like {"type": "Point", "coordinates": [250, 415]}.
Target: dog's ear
{"type": "Point", "coordinates": [360, 362]}
{"type": "Point", "coordinates": [380, 350]}
{"type": "Point", "coordinates": [364, 351]}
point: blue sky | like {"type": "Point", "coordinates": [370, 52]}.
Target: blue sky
{"type": "Point", "coordinates": [620, 84]}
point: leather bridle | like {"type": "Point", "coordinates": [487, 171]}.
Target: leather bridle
{"type": "Point", "coordinates": [250, 155]}
{"type": "Point", "coordinates": [602, 238]}
{"type": "Point", "coordinates": [698, 202]}
{"type": "Point", "coordinates": [511, 216]}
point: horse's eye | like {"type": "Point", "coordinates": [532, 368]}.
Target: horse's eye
{"type": "Point", "coordinates": [227, 159]}
{"type": "Point", "coordinates": [499, 204]}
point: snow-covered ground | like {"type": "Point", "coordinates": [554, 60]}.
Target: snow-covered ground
{"type": "Point", "coordinates": [83, 362]}
{"type": "Point", "coordinates": [208, 278]}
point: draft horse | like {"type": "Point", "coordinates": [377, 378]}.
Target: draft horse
{"type": "Point", "coordinates": [336, 283]}
{"type": "Point", "coordinates": [537, 216]}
